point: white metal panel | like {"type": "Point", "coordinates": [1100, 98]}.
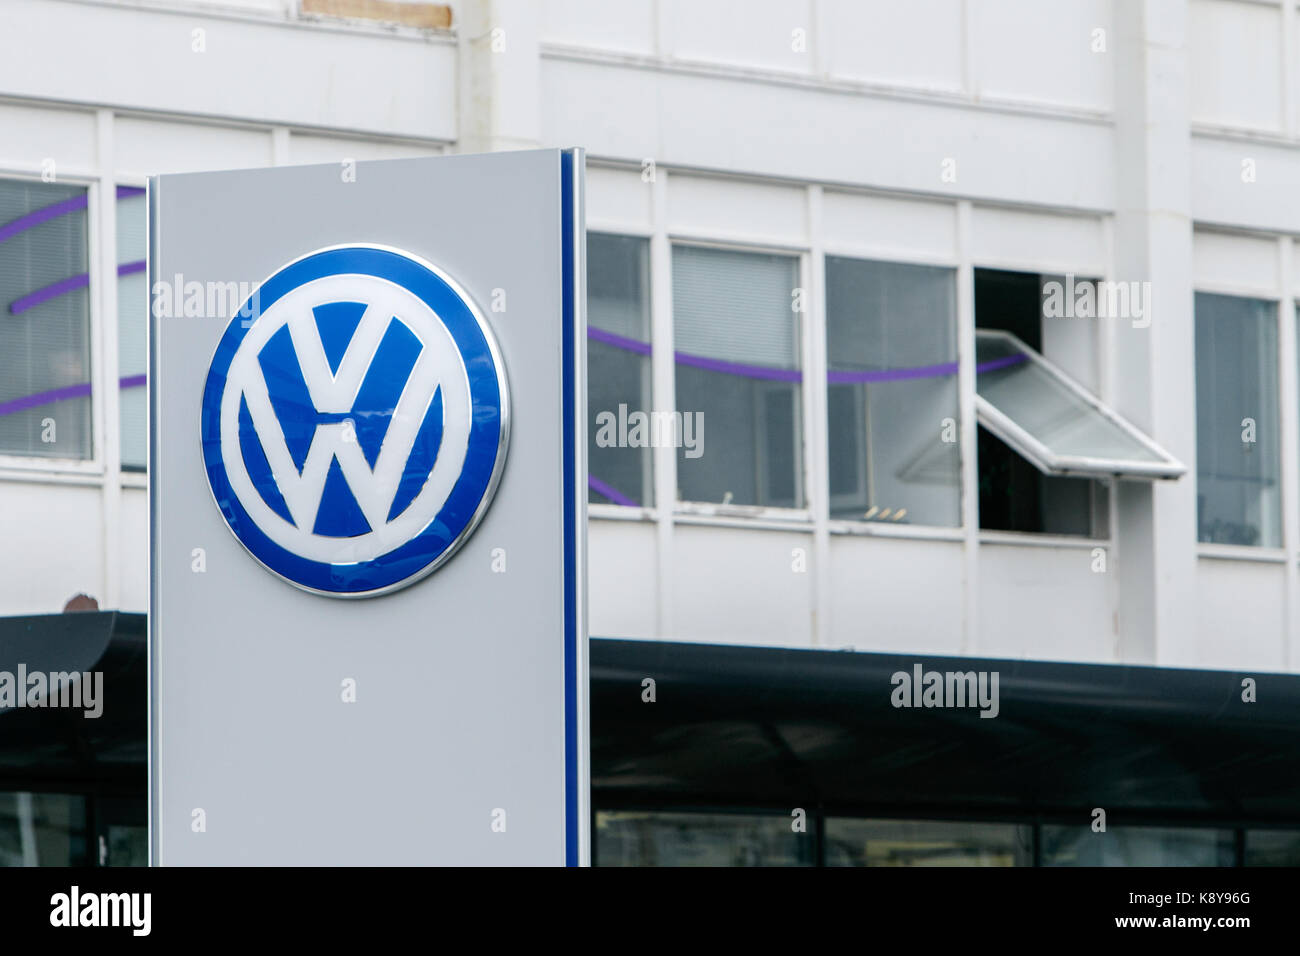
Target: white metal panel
{"type": "Point", "coordinates": [738, 586]}
{"type": "Point", "coordinates": [757, 33]}
{"type": "Point", "coordinates": [626, 26]}
{"type": "Point", "coordinates": [265, 69]}
{"type": "Point", "coordinates": [34, 134]}
{"type": "Point", "coordinates": [1235, 264]}
{"type": "Point", "coordinates": [887, 227]}
{"type": "Point", "coordinates": [53, 546]}
{"type": "Point", "coordinates": [919, 43]}
{"type": "Point", "coordinates": [824, 134]}
{"type": "Point", "coordinates": [895, 594]}
{"type": "Point", "coordinates": [1240, 616]}
{"type": "Point", "coordinates": [622, 580]}
{"type": "Point", "coordinates": [1235, 63]}
{"type": "Point", "coordinates": [146, 147]}
{"type": "Point", "coordinates": [1251, 185]}
{"type": "Point", "coordinates": [309, 148]}
{"type": "Point", "coordinates": [619, 199]}
{"type": "Point", "coordinates": [1044, 603]}
{"type": "Point", "coordinates": [133, 560]}
{"type": "Point", "coordinates": [1031, 50]}
{"type": "Point", "coordinates": [1037, 241]}
{"type": "Point", "coordinates": [729, 208]}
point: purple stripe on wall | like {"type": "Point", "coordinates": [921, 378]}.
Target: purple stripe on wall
{"type": "Point", "coordinates": [791, 375]}
{"type": "Point", "coordinates": [33, 219]}
{"type": "Point", "coordinates": [60, 394]}
{"type": "Point", "coordinates": [618, 341]}
{"type": "Point", "coordinates": [738, 368]}
{"type": "Point", "coordinates": [610, 492]}
{"type": "Point", "coordinates": [63, 286]}
{"type": "Point", "coordinates": [54, 210]}
{"type": "Point", "coordinates": [44, 398]}
{"type": "Point", "coordinates": [892, 374]}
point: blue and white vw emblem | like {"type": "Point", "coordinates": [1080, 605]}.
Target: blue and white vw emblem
{"type": "Point", "coordinates": [354, 432]}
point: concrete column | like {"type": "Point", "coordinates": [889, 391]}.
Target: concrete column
{"type": "Point", "coordinates": [500, 75]}
{"type": "Point", "coordinates": [1154, 380]}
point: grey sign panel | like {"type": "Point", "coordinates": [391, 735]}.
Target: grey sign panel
{"type": "Point", "coordinates": [368, 505]}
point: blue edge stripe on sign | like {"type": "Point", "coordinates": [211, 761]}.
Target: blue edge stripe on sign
{"type": "Point", "coordinates": [568, 332]}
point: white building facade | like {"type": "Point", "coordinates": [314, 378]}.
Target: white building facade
{"type": "Point", "coordinates": [814, 228]}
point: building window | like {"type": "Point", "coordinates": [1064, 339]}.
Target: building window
{"type": "Point", "coordinates": [851, 842]}
{"type": "Point", "coordinates": [892, 405]}
{"type": "Point", "coordinates": [45, 406]}
{"type": "Point", "coordinates": [1137, 846]}
{"type": "Point", "coordinates": [619, 460]}
{"type": "Point", "coordinates": [1047, 445]}
{"type": "Point", "coordinates": [1014, 494]}
{"type": "Point", "coordinates": [738, 380]}
{"type": "Point", "coordinates": [1238, 470]}
{"type": "Point", "coordinates": [132, 324]}
{"type": "Point", "coordinates": [636, 838]}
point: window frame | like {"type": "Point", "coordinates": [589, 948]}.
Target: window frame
{"type": "Point", "coordinates": [91, 469]}
{"type": "Point", "coordinates": [781, 516]}
{"type": "Point", "coordinates": [1019, 439]}
{"type": "Point", "coordinates": [609, 509]}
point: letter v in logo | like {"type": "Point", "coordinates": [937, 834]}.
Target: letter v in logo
{"type": "Point", "coordinates": [355, 432]}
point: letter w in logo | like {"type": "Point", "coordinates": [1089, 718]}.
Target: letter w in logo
{"type": "Point", "coordinates": [340, 419]}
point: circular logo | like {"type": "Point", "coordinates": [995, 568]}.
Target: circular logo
{"type": "Point", "coordinates": [355, 421]}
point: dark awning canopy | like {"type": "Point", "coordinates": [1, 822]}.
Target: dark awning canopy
{"type": "Point", "coordinates": [762, 727]}
{"type": "Point", "coordinates": [60, 749]}
{"type": "Point", "coordinates": [745, 726]}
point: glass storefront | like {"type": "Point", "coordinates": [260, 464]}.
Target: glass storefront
{"type": "Point", "coordinates": [852, 842]}
{"type": "Point", "coordinates": [636, 838]}
{"type": "Point", "coordinates": [43, 829]}
{"type": "Point", "coordinates": [1137, 846]}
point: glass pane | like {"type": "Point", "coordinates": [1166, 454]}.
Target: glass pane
{"type": "Point", "coordinates": [42, 829]}
{"type": "Point", "coordinates": [44, 321]}
{"type": "Point", "coordinates": [635, 838]}
{"type": "Point", "coordinates": [128, 846]}
{"type": "Point", "coordinates": [852, 842]}
{"type": "Point", "coordinates": [737, 370]}
{"type": "Point", "coordinates": [1273, 847]}
{"type": "Point", "coordinates": [1238, 468]}
{"type": "Point", "coordinates": [619, 461]}
{"type": "Point", "coordinates": [132, 316]}
{"type": "Point", "coordinates": [1137, 846]}
{"type": "Point", "coordinates": [1042, 405]}
{"type": "Point", "coordinates": [892, 392]}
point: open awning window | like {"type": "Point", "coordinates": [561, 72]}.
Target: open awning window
{"type": "Point", "coordinates": [1055, 423]}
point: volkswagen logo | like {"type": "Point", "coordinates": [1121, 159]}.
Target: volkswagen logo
{"type": "Point", "coordinates": [355, 430]}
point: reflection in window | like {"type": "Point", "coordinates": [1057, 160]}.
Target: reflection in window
{"type": "Point", "coordinates": [852, 842]}
{"type": "Point", "coordinates": [132, 322]}
{"type": "Point", "coordinates": [1273, 847]}
{"type": "Point", "coordinates": [1137, 846]}
{"type": "Point", "coordinates": [892, 385]}
{"type": "Point", "coordinates": [618, 370]}
{"type": "Point", "coordinates": [44, 321]}
{"type": "Point", "coordinates": [634, 838]}
{"type": "Point", "coordinates": [737, 362]}
{"type": "Point", "coordinates": [1237, 461]}
{"type": "Point", "coordinates": [127, 846]}
{"type": "Point", "coordinates": [42, 829]}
